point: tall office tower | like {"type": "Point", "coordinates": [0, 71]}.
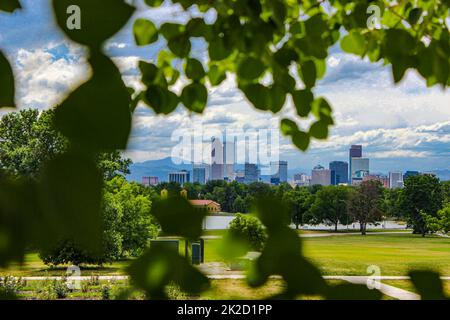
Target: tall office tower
{"type": "Point", "coordinates": [360, 169]}
{"type": "Point", "coordinates": [395, 180]}
{"type": "Point", "coordinates": [149, 181]}
{"type": "Point", "coordinates": [278, 171]}
{"type": "Point", "coordinates": [216, 159]}
{"type": "Point", "coordinates": [229, 159]}
{"type": "Point", "coordinates": [354, 152]}
{"type": "Point", "coordinates": [320, 175]}
{"type": "Point", "coordinates": [340, 169]}
{"type": "Point", "coordinates": [199, 174]}
{"type": "Point", "coordinates": [181, 177]}
{"type": "Point", "coordinates": [301, 179]}
{"type": "Point", "coordinates": [251, 173]}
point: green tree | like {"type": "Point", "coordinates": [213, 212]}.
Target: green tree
{"type": "Point", "coordinates": [364, 204]}
{"type": "Point", "coordinates": [330, 206]}
{"type": "Point", "coordinates": [422, 193]}
{"type": "Point", "coordinates": [390, 203]}
{"type": "Point", "coordinates": [299, 202]}
{"type": "Point", "coordinates": [28, 139]}
{"type": "Point", "coordinates": [249, 229]}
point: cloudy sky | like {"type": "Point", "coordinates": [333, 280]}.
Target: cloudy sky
{"type": "Point", "coordinates": [402, 127]}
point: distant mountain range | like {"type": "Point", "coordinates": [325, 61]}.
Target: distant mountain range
{"type": "Point", "coordinates": [161, 168]}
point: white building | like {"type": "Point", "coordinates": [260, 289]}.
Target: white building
{"type": "Point", "coordinates": [395, 180]}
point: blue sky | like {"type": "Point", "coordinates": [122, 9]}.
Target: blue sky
{"type": "Point", "coordinates": [402, 127]}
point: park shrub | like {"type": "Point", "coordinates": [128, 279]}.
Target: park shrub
{"type": "Point", "coordinates": [249, 229]}
{"type": "Point", "coordinates": [10, 286]}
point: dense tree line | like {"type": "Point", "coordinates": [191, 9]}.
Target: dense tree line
{"type": "Point", "coordinates": [332, 205]}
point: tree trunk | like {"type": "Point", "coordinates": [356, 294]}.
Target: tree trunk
{"type": "Point", "coordinates": [363, 229]}
{"type": "Point", "coordinates": [335, 226]}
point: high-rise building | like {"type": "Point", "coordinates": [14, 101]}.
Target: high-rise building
{"type": "Point", "coordinates": [360, 169]}
{"type": "Point", "coordinates": [217, 167]}
{"type": "Point", "coordinates": [320, 175]}
{"type": "Point", "coordinates": [301, 179]}
{"type": "Point", "coordinates": [229, 159]}
{"type": "Point", "coordinates": [149, 181]}
{"type": "Point", "coordinates": [354, 152]}
{"type": "Point", "coordinates": [251, 173]}
{"type": "Point", "coordinates": [278, 171]}
{"type": "Point", "coordinates": [181, 177]}
{"type": "Point", "coordinates": [340, 169]}
{"type": "Point", "coordinates": [395, 180]}
{"type": "Point", "coordinates": [199, 174]}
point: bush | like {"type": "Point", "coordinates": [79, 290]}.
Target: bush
{"type": "Point", "coordinates": [10, 286]}
{"type": "Point", "coordinates": [52, 290]}
{"type": "Point", "coordinates": [106, 292]}
{"type": "Point", "coordinates": [249, 229]}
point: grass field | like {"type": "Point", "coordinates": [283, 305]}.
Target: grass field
{"type": "Point", "coordinates": [395, 254]}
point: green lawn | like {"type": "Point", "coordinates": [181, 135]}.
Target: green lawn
{"type": "Point", "coordinates": [395, 254]}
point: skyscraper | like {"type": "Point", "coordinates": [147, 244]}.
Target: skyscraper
{"type": "Point", "coordinates": [181, 177]}
{"type": "Point", "coordinates": [251, 173]}
{"type": "Point", "coordinates": [340, 169]}
{"type": "Point", "coordinates": [320, 175]}
{"type": "Point", "coordinates": [229, 159]}
{"type": "Point", "coordinates": [354, 152]}
{"type": "Point", "coordinates": [199, 174]}
{"type": "Point", "coordinates": [360, 169]}
{"type": "Point", "coordinates": [395, 180]}
{"type": "Point", "coordinates": [279, 171]}
{"type": "Point", "coordinates": [216, 159]}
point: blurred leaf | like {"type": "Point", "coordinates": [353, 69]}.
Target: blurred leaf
{"type": "Point", "coordinates": [414, 15]}
{"type": "Point", "coordinates": [319, 130]}
{"type": "Point", "coordinates": [302, 101]}
{"type": "Point", "coordinates": [216, 75]}
{"type": "Point", "coordinates": [219, 49]}
{"type": "Point", "coordinates": [7, 90]}
{"type": "Point", "coordinates": [97, 114]}
{"type": "Point", "coordinates": [70, 192]}
{"type": "Point", "coordinates": [99, 21]}
{"type": "Point", "coordinates": [354, 42]}
{"type": "Point", "coordinates": [301, 140]}
{"type": "Point", "coordinates": [288, 127]}
{"type": "Point", "coordinates": [161, 266]}
{"type": "Point", "coordinates": [180, 45]}
{"type": "Point", "coordinates": [10, 5]}
{"type": "Point", "coordinates": [272, 212]}
{"type": "Point", "coordinates": [153, 3]}
{"type": "Point", "coordinates": [194, 69]}
{"type": "Point", "coordinates": [145, 32]}
{"type": "Point", "coordinates": [277, 97]}
{"type": "Point", "coordinates": [428, 284]}
{"type": "Point", "coordinates": [257, 94]}
{"type": "Point", "coordinates": [308, 73]}
{"type": "Point", "coordinates": [161, 99]}
{"type": "Point", "coordinates": [194, 97]}
{"type": "Point", "coordinates": [173, 214]}
{"type": "Point", "coordinates": [152, 75]}
{"type": "Point", "coordinates": [250, 68]}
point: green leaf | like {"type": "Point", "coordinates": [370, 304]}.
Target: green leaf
{"type": "Point", "coordinates": [97, 114]}
{"type": "Point", "coordinates": [194, 69]}
{"type": "Point", "coordinates": [172, 213]}
{"type": "Point", "coordinates": [216, 75]}
{"type": "Point", "coordinates": [7, 90]}
{"type": "Point", "coordinates": [70, 192]}
{"type": "Point", "coordinates": [355, 43]}
{"type": "Point", "coordinates": [398, 43]}
{"type": "Point", "coordinates": [288, 127]}
{"type": "Point", "coordinates": [258, 95]}
{"type": "Point", "coordinates": [10, 5]}
{"type": "Point", "coordinates": [151, 75]}
{"type": "Point", "coordinates": [180, 45]}
{"type": "Point", "coordinates": [250, 68]}
{"type": "Point", "coordinates": [308, 73]}
{"type": "Point", "coordinates": [302, 101]}
{"type": "Point", "coordinates": [99, 20]}
{"type": "Point", "coordinates": [171, 30]}
{"type": "Point", "coordinates": [428, 284]}
{"type": "Point", "coordinates": [277, 98]}
{"type": "Point", "coordinates": [195, 97]}
{"type": "Point", "coordinates": [414, 15]}
{"type": "Point", "coordinates": [321, 68]}
{"type": "Point", "coordinates": [145, 32]}
{"type": "Point", "coordinates": [301, 140]}
{"type": "Point", "coordinates": [319, 130]}
{"type": "Point", "coordinates": [219, 49]}
{"type": "Point", "coordinates": [161, 99]}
